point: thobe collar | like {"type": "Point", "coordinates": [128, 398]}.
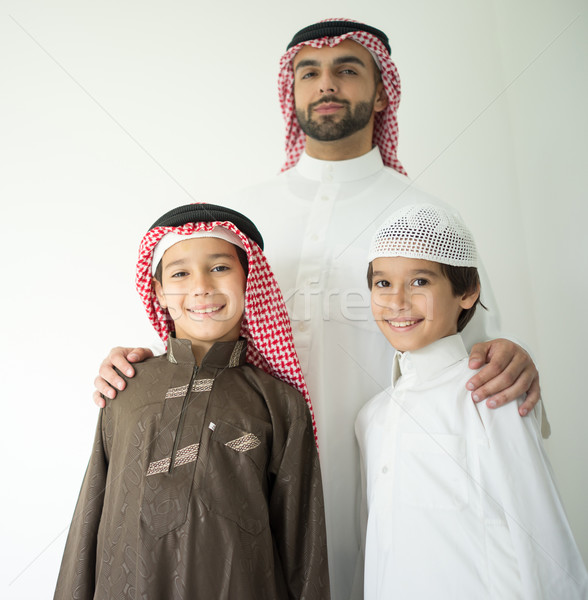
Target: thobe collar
{"type": "Point", "coordinates": [340, 171]}
{"type": "Point", "coordinates": [426, 363]}
{"type": "Point", "coordinates": [220, 356]}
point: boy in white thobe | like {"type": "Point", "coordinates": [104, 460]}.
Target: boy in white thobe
{"type": "Point", "coordinates": [460, 500]}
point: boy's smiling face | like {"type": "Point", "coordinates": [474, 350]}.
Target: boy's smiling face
{"type": "Point", "coordinates": [203, 288]}
{"type": "Point", "coordinates": [413, 303]}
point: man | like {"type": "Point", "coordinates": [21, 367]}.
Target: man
{"type": "Point", "coordinates": [339, 93]}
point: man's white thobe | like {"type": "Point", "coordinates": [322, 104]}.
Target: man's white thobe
{"type": "Point", "coordinates": [317, 221]}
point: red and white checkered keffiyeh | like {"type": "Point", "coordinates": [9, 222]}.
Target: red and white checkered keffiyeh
{"type": "Point", "coordinates": [385, 125]}
{"type": "Point", "coordinates": [266, 325]}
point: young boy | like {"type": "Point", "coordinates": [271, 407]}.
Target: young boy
{"type": "Point", "coordinates": [460, 499]}
{"type": "Point", "coordinates": [204, 480]}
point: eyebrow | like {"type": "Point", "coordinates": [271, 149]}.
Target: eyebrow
{"type": "Point", "coordinates": [427, 272]}
{"type": "Point", "coordinates": [213, 257]}
{"type": "Point", "coordinates": [221, 255]}
{"type": "Point", "coordinates": [349, 59]}
{"type": "Point", "coordinates": [309, 62]}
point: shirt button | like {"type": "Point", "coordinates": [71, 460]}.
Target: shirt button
{"type": "Point", "coordinates": [325, 198]}
{"type": "Point", "coordinates": [384, 470]}
{"type": "Point", "coordinates": [314, 237]}
{"type": "Point", "coordinates": [302, 327]}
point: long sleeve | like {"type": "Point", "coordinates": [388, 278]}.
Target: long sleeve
{"type": "Point", "coordinates": [297, 515]}
{"type": "Point", "coordinates": [78, 567]}
{"type": "Point", "coordinates": [519, 481]}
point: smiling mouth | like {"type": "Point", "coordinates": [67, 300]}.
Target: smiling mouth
{"type": "Point", "coordinates": [208, 310]}
{"type": "Point", "coordinates": [402, 324]}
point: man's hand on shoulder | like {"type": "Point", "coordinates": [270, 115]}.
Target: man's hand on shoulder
{"type": "Point", "coordinates": [507, 373]}
{"type": "Point", "coordinates": [109, 381]}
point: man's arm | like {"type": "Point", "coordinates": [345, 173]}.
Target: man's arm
{"type": "Point", "coordinates": [507, 373]}
{"type": "Point", "coordinates": [109, 381]}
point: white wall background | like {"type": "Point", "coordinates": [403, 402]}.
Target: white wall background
{"type": "Point", "coordinates": [111, 113]}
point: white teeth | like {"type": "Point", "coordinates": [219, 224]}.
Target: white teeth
{"type": "Point", "coordinates": [402, 324]}
{"type": "Point", "coordinates": [204, 311]}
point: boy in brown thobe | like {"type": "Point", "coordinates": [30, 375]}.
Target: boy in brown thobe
{"type": "Point", "coordinates": [204, 481]}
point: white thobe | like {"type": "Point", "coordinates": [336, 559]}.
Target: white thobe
{"type": "Point", "coordinates": [460, 499]}
{"type": "Point", "coordinates": [317, 221]}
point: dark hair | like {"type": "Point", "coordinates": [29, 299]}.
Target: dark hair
{"type": "Point", "coordinates": [241, 255]}
{"type": "Point", "coordinates": [463, 280]}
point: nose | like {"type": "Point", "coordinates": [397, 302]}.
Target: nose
{"type": "Point", "coordinates": [200, 285]}
{"type": "Point", "coordinates": [396, 299]}
{"type": "Point", "coordinates": [327, 84]}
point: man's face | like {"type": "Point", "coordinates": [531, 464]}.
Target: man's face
{"type": "Point", "coordinates": [335, 90]}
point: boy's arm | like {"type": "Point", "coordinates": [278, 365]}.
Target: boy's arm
{"type": "Point", "coordinates": [297, 514]}
{"type": "Point", "coordinates": [78, 566]}
{"type": "Point", "coordinates": [518, 480]}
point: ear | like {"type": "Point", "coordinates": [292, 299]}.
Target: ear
{"type": "Point", "coordinates": [381, 101]}
{"type": "Point", "coordinates": [469, 298]}
{"type": "Point", "coordinates": [158, 289]}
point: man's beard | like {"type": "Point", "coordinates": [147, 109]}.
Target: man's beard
{"type": "Point", "coordinates": [326, 129]}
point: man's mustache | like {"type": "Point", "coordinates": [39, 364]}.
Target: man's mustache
{"type": "Point", "coordinates": [327, 100]}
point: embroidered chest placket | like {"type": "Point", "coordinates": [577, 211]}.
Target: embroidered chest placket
{"type": "Point", "coordinates": [179, 456]}
{"type": "Point", "coordinates": [170, 471]}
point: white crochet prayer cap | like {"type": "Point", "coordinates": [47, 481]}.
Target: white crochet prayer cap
{"type": "Point", "coordinates": [171, 239]}
{"type": "Point", "coordinates": [428, 232]}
